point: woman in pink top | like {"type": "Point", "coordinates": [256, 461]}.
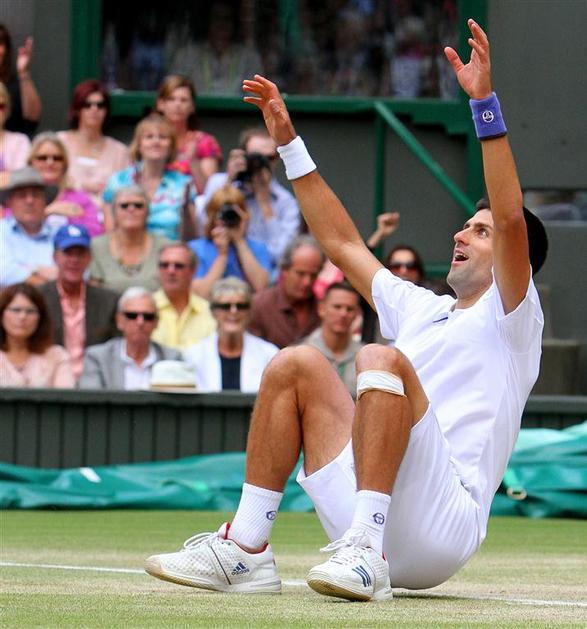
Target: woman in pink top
{"type": "Point", "coordinates": [198, 153]}
{"type": "Point", "coordinates": [27, 356]}
{"type": "Point", "coordinates": [49, 157]}
{"type": "Point", "coordinates": [93, 156]}
{"type": "Point", "coordinates": [14, 147]}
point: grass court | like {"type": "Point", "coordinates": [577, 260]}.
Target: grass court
{"type": "Point", "coordinates": [84, 569]}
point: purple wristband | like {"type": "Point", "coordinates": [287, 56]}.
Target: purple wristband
{"type": "Point", "coordinates": [487, 117]}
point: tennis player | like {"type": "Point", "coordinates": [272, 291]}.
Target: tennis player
{"type": "Point", "coordinates": [403, 480]}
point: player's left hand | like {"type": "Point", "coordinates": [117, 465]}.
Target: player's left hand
{"type": "Point", "coordinates": [266, 96]}
{"type": "Point", "coordinates": [475, 76]}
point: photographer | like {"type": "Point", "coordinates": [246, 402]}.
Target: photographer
{"type": "Point", "coordinates": [226, 250]}
{"type": "Point", "coordinates": [274, 213]}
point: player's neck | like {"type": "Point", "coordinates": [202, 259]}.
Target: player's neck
{"type": "Point", "coordinates": [470, 299]}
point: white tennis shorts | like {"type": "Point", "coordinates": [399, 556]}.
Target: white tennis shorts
{"type": "Point", "coordinates": [432, 524]}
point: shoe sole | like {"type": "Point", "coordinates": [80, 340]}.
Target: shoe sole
{"type": "Point", "coordinates": [260, 587]}
{"type": "Point", "coordinates": [323, 584]}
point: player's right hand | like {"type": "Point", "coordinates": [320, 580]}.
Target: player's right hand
{"type": "Point", "coordinates": [265, 95]}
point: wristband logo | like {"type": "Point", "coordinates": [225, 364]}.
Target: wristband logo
{"type": "Point", "coordinates": [378, 518]}
{"type": "Point", "coordinates": [487, 116]}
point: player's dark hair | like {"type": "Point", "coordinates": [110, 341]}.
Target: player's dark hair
{"type": "Point", "coordinates": [537, 238]}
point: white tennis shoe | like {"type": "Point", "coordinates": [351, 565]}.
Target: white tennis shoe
{"type": "Point", "coordinates": [211, 561]}
{"type": "Point", "coordinates": [355, 571]}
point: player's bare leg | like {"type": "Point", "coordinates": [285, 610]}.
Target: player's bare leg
{"type": "Point", "coordinates": [391, 400]}
{"type": "Point", "coordinates": [301, 404]}
{"type": "Point", "coordinates": [383, 420]}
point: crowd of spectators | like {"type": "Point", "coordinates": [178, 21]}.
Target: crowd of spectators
{"type": "Point", "coordinates": [360, 48]}
{"type": "Point", "coordinates": [115, 259]}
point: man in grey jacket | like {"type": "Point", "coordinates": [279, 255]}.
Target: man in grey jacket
{"type": "Point", "coordinates": [126, 362]}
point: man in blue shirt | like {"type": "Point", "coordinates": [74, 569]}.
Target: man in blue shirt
{"type": "Point", "coordinates": [26, 239]}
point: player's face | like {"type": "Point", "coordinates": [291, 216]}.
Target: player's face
{"type": "Point", "coordinates": [299, 278]}
{"type": "Point", "coordinates": [470, 269]}
{"type": "Point", "coordinates": [338, 310]}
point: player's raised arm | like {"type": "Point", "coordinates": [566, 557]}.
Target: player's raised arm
{"type": "Point", "coordinates": [326, 216]}
{"type": "Point", "coordinates": [511, 260]}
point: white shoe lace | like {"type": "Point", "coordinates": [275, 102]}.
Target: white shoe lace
{"type": "Point", "coordinates": [201, 538]}
{"type": "Point", "coordinates": [348, 548]}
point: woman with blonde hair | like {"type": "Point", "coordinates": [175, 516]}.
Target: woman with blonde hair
{"type": "Point", "coordinates": [170, 193]}
{"type": "Point", "coordinates": [128, 255]}
{"type": "Point", "coordinates": [48, 155]}
{"type": "Point", "coordinates": [225, 250]}
{"type": "Point", "coordinates": [198, 153]}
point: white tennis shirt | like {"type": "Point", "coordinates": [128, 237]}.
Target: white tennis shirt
{"type": "Point", "coordinates": [477, 366]}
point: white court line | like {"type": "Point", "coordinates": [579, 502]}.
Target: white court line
{"type": "Point", "coordinates": [302, 583]}
{"type": "Point", "coordinates": [52, 566]}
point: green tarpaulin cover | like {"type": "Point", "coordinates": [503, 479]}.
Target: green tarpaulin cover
{"type": "Point", "coordinates": [547, 477]}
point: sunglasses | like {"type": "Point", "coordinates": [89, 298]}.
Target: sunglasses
{"type": "Point", "coordinates": [147, 316]}
{"type": "Point", "coordinates": [137, 205]}
{"type": "Point", "coordinates": [239, 306]}
{"type": "Point", "coordinates": [46, 158]}
{"type": "Point", "coordinates": [409, 266]}
{"type": "Point", "coordinates": [180, 266]}
{"type": "Point", "coordinates": [101, 104]}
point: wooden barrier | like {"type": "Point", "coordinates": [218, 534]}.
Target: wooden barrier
{"type": "Point", "coordinates": [70, 428]}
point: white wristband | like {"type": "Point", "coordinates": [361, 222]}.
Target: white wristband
{"type": "Point", "coordinates": [296, 159]}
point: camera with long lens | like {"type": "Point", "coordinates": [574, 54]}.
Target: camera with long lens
{"type": "Point", "coordinates": [255, 163]}
{"type": "Point", "coordinates": [229, 216]}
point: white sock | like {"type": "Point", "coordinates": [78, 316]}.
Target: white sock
{"type": "Point", "coordinates": [255, 516]}
{"type": "Point", "coordinates": [371, 515]}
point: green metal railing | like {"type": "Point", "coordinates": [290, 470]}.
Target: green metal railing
{"type": "Point", "coordinates": [418, 150]}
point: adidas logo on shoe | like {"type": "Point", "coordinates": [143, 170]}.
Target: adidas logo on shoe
{"type": "Point", "coordinates": [366, 578]}
{"type": "Point", "coordinates": [355, 572]}
{"type": "Point", "coordinates": [211, 561]}
{"type": "Point", "coordinates": [239, 569]}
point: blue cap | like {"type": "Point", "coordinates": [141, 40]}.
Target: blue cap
{"type": "Point", "coordinates": [71, 236]}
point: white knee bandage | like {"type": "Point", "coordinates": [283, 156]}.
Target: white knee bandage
{"type": "Point", "coordinates": [380, 380]}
